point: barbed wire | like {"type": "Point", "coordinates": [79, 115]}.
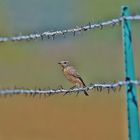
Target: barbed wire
{"type": "Point", "coordinates": [98, 86]}
{"type": "Point", "coordinates": [53, 34]}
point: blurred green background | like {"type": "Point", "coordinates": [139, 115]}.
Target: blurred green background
{"type": "Point", "coordinates": [97, 55]}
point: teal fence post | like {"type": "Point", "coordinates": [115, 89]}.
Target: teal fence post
{"type": "Point", "coordinates": [132, 103]}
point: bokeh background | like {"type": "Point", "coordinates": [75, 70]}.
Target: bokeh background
{"type": "Point", "coordinates": [97, 55]}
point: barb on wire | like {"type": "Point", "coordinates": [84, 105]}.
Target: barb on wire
{"type": "Point", "coordinates": [99, 86]}
{"type": "Point", "coordinates": [53, 34]}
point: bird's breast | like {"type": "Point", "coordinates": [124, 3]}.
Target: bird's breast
{"type": "Point", "coordinates": [67, 74]}
{"type": "Point", "coordinates": [73, 79]}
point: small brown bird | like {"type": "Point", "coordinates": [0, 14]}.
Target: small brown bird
{"type": "Point", "coordinates": [71, 74]}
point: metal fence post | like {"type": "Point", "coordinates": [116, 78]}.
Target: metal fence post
{"type": "Point", "coordinates": [132, 103]}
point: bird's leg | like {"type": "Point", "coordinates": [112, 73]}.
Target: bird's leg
{"type": "Point", "coordinates": [69, 91]}
{"type": "Point", "coordinates": [72, 87]}
{"type": "Point", "coordinates": [77, 91]}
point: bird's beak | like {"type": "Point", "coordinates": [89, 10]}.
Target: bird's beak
{"type": "Point", "coordinates": [59, 63]}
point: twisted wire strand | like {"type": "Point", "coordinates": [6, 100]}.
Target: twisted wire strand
{"type": "Point", "coordinates": [53, 34]}
{"type": "Point", "coordinates": [98, 86]}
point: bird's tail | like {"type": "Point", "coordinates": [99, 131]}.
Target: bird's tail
{"type": "Point", "coordinates": [83, 86]}
{"type": "Point", "coordinates": [86, 93]}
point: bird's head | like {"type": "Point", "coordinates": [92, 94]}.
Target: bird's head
{"type": "Point", "coordinates": [64, 64]}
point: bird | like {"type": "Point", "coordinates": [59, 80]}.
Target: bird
{"type": "Point", "coordinates": [72, 75]}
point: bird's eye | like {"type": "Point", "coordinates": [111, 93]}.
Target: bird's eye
{"type": "Point", "coordinates": [65, 62]}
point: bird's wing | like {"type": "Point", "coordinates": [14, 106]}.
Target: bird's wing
{"type": "Point", "coordinates": [73, 72]}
